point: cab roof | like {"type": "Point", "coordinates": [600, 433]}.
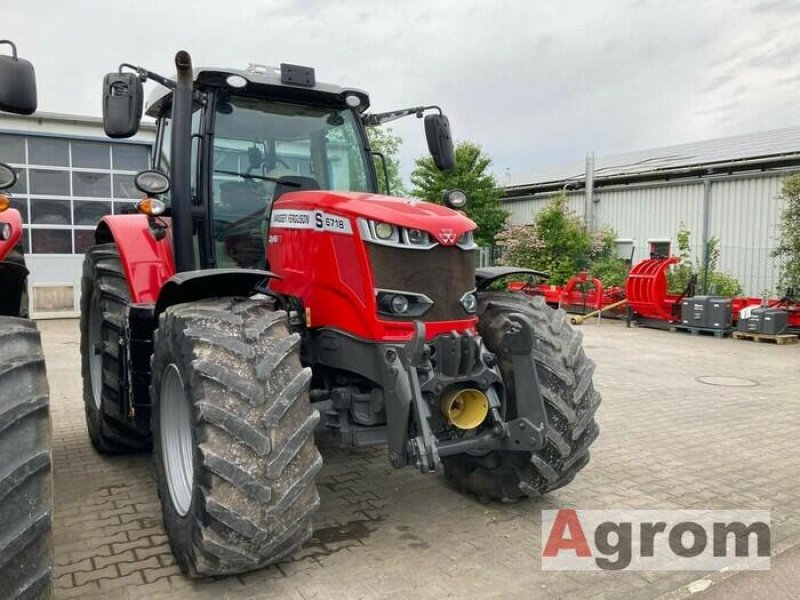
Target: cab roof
{"type": "Point", "coordinates": [263, 81]}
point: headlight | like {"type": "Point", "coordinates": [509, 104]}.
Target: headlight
{"type": "Point", "coordinates": [151, 182]}
{"type": "Point", "coordinates": [417, 237]}
{"type": "Point", "coordinates": [454, 198]}
{"type": "Point", "coordinates": [384, 231]}
{"type": "Point", "coordinates": [399, 304]}
{"type": "Point", "coordinates": [466, 241]}
{"type": "Point", "coordinates": [394, 303]}
{"type": "Point", "coordinates": [470, 302]}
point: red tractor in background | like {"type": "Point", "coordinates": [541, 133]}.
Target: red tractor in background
{"type": "Point", "coordinates": [264, 291]}
{"type": "Point", "coordinates": [25, 478]}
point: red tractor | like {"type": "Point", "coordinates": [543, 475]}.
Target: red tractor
{"type": "Point", "coordinates": [265, 291]}
{"type": "Point", "coordinates": [25, 479]}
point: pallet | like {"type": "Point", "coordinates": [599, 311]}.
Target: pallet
{"type": "Point", "coordinates": [717, 333]}
{"type": "Point", "coordinates": [780, 339]}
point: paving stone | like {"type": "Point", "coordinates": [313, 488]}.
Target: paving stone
{"type": "Point", "coordinates": [666, 441]}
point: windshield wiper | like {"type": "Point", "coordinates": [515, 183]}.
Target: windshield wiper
{"type": "Point", "coordinates": [249, 177]}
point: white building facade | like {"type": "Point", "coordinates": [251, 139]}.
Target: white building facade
{"type": "Point", "coordinates": [69, 176]}
{"type": "Point", "coordinates": [727, 189]}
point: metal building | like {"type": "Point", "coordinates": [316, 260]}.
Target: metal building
{"type": "Point", "coordinates": [69, 175]}
{"type": "Point", "coordinates": [726, 188]}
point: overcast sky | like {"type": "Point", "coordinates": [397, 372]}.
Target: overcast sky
{"type": "Point", "coordinates": [535, 83]}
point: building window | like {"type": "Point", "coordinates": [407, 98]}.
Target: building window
{"type": "Point", "coordinates": [92, 185]}
{"type": "Point", "coordinates": [91, 155]}
{"type": "Point", "coordinates": [624, 249]}
{"type": "Point", "coordinates": [65, 186]}
{"type": "Point", "coordinates": [49, 183]}
{"type": "Point", "coordinates": [12, 149]}
{"type": "Point", "coordinates": [51, 241]}
{"type": "Point", "coordinates": [51, 152]}
{"type": "Point", "coordinates": [660, 248]}
{"type": "Point", "coordinates": [129, 157]}
{"type": "Point", "coordinates": [46, 211]}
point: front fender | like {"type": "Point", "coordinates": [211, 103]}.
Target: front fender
{"type": "Point", "coordinates": [189, 286]}
{"type": "Point", "coordinates": [148, 263]}
{"type": "Point", "coordinates": [485, 276]}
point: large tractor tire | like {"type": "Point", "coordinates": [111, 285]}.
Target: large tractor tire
{"type": "Point", "coordinates": [565, 375]}
{"type": "Point", "coordinates": [25, 478]}
{"type": "Point", "coordinates": [104, 296]}
{"type": "Point", "coordinates": [233, 435]}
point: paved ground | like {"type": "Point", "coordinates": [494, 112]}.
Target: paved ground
{"type": "Point", "coordinates": [667, 441]}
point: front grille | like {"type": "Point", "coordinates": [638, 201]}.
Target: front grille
{"type": "Point", "coordinates": [443, 273]}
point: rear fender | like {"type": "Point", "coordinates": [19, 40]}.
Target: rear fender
{"type": "Point", "coordinates": [189, 286]}
{"type": "Point", "coordinates": [148, 263]}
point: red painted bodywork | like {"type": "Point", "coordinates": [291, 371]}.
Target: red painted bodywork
{"type": "Point", "coordinates": [327, 270]}
{"type": "Point", "coordinates": [581, 292]}
{"type": "Point", "coordinates": [330, 271]}
{"type": "Point", "coordinates": [12, 217]}
{"type": "Point", "coordinates": [148, 263]}
{"type": "Point", "coordinates": [646, 289]}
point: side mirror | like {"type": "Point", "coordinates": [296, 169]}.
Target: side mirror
{"type": "Point", "coordinates": [440, 142]}
{"type": "Point", "coordinates": [17, 83]}
{"type": "Point", "coordinates": [123, 101]}
{"type": "Point", "coordinates": [8, 176]}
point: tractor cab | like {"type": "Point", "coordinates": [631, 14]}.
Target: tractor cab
{"type": "Point", "coordinates": [255, 135]}
{"type": "Point", "coordinates": [269, 138]}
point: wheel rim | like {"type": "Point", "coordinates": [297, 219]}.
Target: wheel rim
{"type": "Point", "coordinates": [96, 352]}
{"type": "Point", "coordinates": [176, 440]}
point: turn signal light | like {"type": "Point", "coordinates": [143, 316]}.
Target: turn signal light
{"type": "Point", "coordinates": [4, 202]}
{"type": "Point", "coordinates": [151, 207]}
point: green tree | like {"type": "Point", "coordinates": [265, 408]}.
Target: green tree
{"type": "Point", "coordinates": [722, 284]}
{"type": "Point", "coordinates": [559, 244]}
{"type": "Point", "coordinates": [383, 140]}
{"type": "Point", "coordinates": [471, 175]}
{"type": "Point", "coordinates": [788, 249]}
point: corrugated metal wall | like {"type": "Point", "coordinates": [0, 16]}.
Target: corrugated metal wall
{"type": "Point", "coordinates": [523, 209]}
{"type": "Point", "coordinates": [651, 213]}
{"type": "Point", "coordinates": [744, 214]}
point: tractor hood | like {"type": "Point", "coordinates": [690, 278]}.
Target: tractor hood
{"type": "Point", "coordinates": [444, 224]}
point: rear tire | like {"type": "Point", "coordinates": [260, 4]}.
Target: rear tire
{"type": "Point", "coordinates": [104, 296]}
{"type": "Point", "coordinates": [25, 474]}
{"type": "Point", "coordinates": [233, 436]}
{"type": "Point", "coordinates": [565, 375]}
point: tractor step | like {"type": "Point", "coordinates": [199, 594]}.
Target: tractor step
{"type": "Point", "coordinates": [780, 339]}
{"type": "Point", "coordinates": [717, 333]}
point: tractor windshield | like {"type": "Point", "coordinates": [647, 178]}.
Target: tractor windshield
{"type": "Point", "coordinates": [256, 143]}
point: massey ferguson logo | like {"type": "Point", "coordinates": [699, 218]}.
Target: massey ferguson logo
{"type": "Point", "coordinates": [448, 236]}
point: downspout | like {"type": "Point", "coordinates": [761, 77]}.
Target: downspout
{"type": "Point", "coordinates": [706, 226]}
{"type": "Point", "coordinates": [589, 201]}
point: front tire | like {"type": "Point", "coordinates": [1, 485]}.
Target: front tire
{"type": "Point", "coordinates": [104, 296]}
{"type": "Point", "coordinates": [233, 435]}
{"type": "Point", "coordinates": [565, 375]}
{"type": "Point", "coordinates": [25, 473]}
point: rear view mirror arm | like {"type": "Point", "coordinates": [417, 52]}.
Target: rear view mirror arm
{"type": "Point", "coordinates": [144, 75]}
{"type": "Point", "coordinates": [13, 48]}
{"type": "Point", "coordinates": [376, 119]}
